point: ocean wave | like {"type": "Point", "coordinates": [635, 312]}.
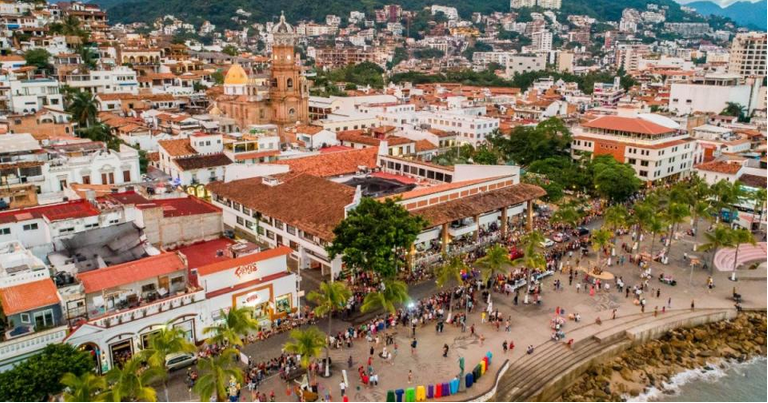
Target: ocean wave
{"type": "Point", "coordinates": [710, 374]}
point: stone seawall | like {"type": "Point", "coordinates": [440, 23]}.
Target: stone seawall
{"type": "Point", "coordinates": [654, 354]}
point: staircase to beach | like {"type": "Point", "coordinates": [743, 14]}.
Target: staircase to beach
{"type": "Point", "coordinates": [544, 375]}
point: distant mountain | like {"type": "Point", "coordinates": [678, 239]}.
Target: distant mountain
{"type": "Point", "coordinates": [220, 12]}
{"type": "Point", "coordinates": [743, 12]}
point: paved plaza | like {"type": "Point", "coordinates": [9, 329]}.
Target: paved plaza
{"type": "Point", "coordinates": [530, 325]}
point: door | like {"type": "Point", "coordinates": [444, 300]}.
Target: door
{"type": "Point", "coordinates": [164, 283]}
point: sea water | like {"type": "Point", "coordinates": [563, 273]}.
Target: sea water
{"type": "Point", "coordinates": [729, 382]}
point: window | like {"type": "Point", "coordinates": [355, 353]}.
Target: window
{"type": "Point", "coordinates": [126, 176]}
{"type": "Point", "coordinates": [5, 231]}
{"type": "Point", "coordinates": [86, 179]}
{"type": "Point", "coordinates": [66, 230]}
{"type": "Point", "coordinates": [30, 227]}
{"type": "Point", "coordinates": [148, 287]}
{"type": "Point", "coordinates": [240, 220]}
{"type": "Point", "coordinates": [177, 281]}
{"type": "Point", "coordinates": [25, 318]}
{"type": "Point", "coordinates": [643, 173]}
{"type": "Point", "coordinates": [44, 319]}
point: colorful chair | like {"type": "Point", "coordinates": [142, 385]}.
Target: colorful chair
{"type": "Point", "coordinates": [470, 379]}
{"type": "Point", "coordinates": [446, 389]}
{"type": "Point", "coordinates": [490, 356]}
{"type": "Point", "coordinates": [410, 395]}
{"type": "Point", "coordinates": [399, 394]}
{"type": "Point", "coordinates": [430, 391]}
{"type": "Point", "coordinates": [390, 395]}
{"type": "Point", "coordinates": [482, 367]}
{"type": "Point", "coordinates": [438, 391]}
{"type": "Point", "coordinates": [454, 386]}
{"type": "Point", "coordinates": [421, 393]}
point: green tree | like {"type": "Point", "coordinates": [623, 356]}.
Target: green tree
{"type": "Point", "coordinates": [231, 326]}
{"type": "Point", "coordinates": [448, 273]}
{"type": "Point", "coordinates": [701, 209]}
{"type": "Point", "coordinates": [306, 343]}
{"type": "Point", "coordinates": [88, 387]}
{"type": "Point", "coordinates": [215, 374]}
{"type": "Point", "coordinates": [612, 180]}
{"type": "Point", "coordinates": [168, 340]}
{"type": "Point", "coordinates": [601, 239]}
{"type": "Point", "coordinates": [372, 236]}
{"type": "Point", "coordinates": [734, 109]}
{"type": "Point", "coordinates": [567, 215]}
{"type": "Point", "coordinates": [39, 58]}
{"type": "Point", "coordinates": [655, 225]}
{"type": "Point", "coordinates": [615, 217]}
{"type": "Point", "coordinates": [496, 260]}
{"type": "Point", "coordinates": [675, 215]}
{"type": "Point", "coordinates": [230, 50]}
{"type": "Point", "coordinates": [532, 257]}
{"type": "Point", "coordinates": [393, 292]}
{"type": "Point", "coordinates": [720, 237]}
{"type": "Point", "coordinates": [758, 198]}
{"type": "Point", "coordinates": [84, 108]}
{"type": "Point", "coordinates": [131, 382]}
{"type": "Point", "coordinates": [330, 298]}
{"type": "Point", "coordinates": [39, 377]}
{"type": "Point", "coordinates": [217, 77]}
{"type": "Point", "coordinates": [103, 133]}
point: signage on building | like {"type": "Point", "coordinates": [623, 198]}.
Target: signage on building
{"type": "Point", "coordinates": [246, 269]}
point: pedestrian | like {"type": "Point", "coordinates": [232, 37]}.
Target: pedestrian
{"type": "Point", "coordinates": [614, 314]}
{"type": "Point", "coordinates": [472, 330]}
{"type": "Point", "coordinates": [511, 345]}
{"type": "Point", "coordinates": [507, 328]}
{"type": "Point", "coordinates": [655, 311]}
{"type": "Point", "coordinates": [578, 287]}
{"type": "Point", "coordinates": [343, 387]}
{"type": "Point", "coordinates": [350, 362]}
{"type": "Point", "coordinates": [410, 376]}
{"type": "Point", "coordinates": [482, 317]}
{"type": "Point", "coordinates": [504, 346]}
{"type": "Point", "coordinates": [371, 351]}
{"type": "Point", "coordinates": [413, 346]}
{"type": "Point", "coordinates": [693, 306]}
{"type": "Point", "coordinates": [482, 339]}
{"type": "Point", "coordinates": [658, 293]}
{"type": "Point", "coordinates": [445, 350]}
{"type": "Point", "coordinates": [669, 303]}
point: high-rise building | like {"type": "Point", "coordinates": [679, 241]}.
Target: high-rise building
{"type": "Point", "coordinates": [542, 40]}
{"type": "Point", "coordinates": [748, 55]}
{"type": "Point", "coordinates": [550, 4]}
{"type": "Point", "coordinates": [522, 3]}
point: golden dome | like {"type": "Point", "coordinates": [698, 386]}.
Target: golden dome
{"type": "Point", "coordinates": [236, 76]}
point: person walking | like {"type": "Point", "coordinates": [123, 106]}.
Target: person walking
{"type": "Point", "coordinates": [504, 346]}
{"type": "Point", "coordinates": [414, 343]}
{"type": "Point", "coordinates": [445, 350]}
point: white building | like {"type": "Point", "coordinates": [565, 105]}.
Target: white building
{"type": "Point", "coordinates": [542, 41]}
{"type": "Point", "coordinates": [710, 94]}
{"type": "Point", "coordinates": [518, 64]}
{"type": "Point", "coordinates": [748, 54]}
{"type": "Point", "coordinates": [30, 96]}
{"type": "Point", "coordinates": [120, 79]}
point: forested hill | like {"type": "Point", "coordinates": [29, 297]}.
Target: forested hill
{"type": "Point", "coordinates": [221, 12]}
{"type": "Point", "coordinates": [745, 13]}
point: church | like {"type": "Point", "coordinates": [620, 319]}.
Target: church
{"type": "Point", "coordinates": [280, 97]}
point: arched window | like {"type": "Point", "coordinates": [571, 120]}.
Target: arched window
{"type": "Point", "coordinates": [289, 83]}
{"type": "Point", "coordinates": [291, 112]}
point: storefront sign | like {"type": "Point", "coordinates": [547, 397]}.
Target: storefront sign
{"type": "Point", "coordinates": [245, 270]}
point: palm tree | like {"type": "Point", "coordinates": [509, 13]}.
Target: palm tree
{"type": "Point", "coordinates": [720, 237]}
{"type": "Point", "coordinates": [130, 383]}
{"type": "Point", "coordinates": [449, 272]}
{"type": "Point", "coordinates": [330, 298]}
{"type": "Point", "coordinates": [741, 236]}
{"type": "Point", "coordinates": [759, 199]}
{"type": "Point", "coordinates": [215, 374]}
{"type": "Point", "coordinates": [655, 225]}
{"type": "Point", "coordinates": [495, 260]}
{"type": "Point", "coordinates": [567, 215]}
{"type": "Point", "coordinates": [532, 257]}
{"type": "Point", "coordinates": [676, 215]}
{"type": "Point", "coordinates": [168, 340]}
{"type": "Point", "coordinates": [306, 343]}
{"type": "Point", "coordinates": [615, 217]}
{"type": "Point", "coordinates": [734, 109]}
{"type": "Point", "coordinates": [393, 292]}
{"type": "Point", "coordinates": [70, 26]}
{"type": "Point", "coordinates": [235, 323]}
{"type": "Point", "coordinates": [601, 239]}
{"type": "Point", "coordinates": [87, 387]}
{"type": "Point", "coordinates": [84, 108]}
{"type": "Point", "coordinates": [701, 209]}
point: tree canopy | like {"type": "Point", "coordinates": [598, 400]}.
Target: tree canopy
{"type": "Point", "coordinates": [613, 180]}
{"type": "Point", "coordinates": [373, 233]}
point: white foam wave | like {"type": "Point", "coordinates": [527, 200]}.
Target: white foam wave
{"type": "Point", "coordinates": [711, 374]}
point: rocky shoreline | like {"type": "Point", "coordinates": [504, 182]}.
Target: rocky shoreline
{"type": "Point", "coordinates": [654, 363]}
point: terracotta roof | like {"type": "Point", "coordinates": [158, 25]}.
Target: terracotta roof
{"type": "Point", "coordinates": [312, 204]}
{"type": "Point", "coordinates": [178, 147]}
{"type": "Point", "coordinates": [206, 252]}
{"type": "Point", "coordinates": [658, 146]}
{"type": "Point", "coordinates": [471, 206]}
{"type": "Point", "coordinates": [424, 145]}
{"type": "Point", "coordinates": [753, 181]}
{"type": "Point", "coordinates": [624, 124]}
{"type": "Point", "coordinates": [332, 164]}
{"type": "Point", "coordinates": [243, 260]}
{"type": "Point", "coordinates": [719, 167]}
{"type": "Point", "coordinates": [28, 296]}
{"type": "Point", "coordinates": [131, 272]}
{"type": "Point", "coordinates": [54, 212]}
{"type": "Point", "coordinates": [202, 161]}
{"type": "Point", "coordinates": [256, 154]}
{"type": "Point", "coordinates": [308, 129]}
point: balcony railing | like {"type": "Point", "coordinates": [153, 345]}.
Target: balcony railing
{"type": "Point", "coordinates": [31, 342]}
{"type": "Point", "coordinates": [149, 309]}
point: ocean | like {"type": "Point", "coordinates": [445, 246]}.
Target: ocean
{"type": "Point", "coordinates": [734, 382]}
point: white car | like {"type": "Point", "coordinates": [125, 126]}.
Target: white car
{"type": "Point", "coordinates": [547, 243]}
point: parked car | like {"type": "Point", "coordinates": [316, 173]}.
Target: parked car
{"type": "Point", "coordinates": [560, 237]}
{"type": "Point", "coordinates": [583, 231]}
{"type": "Point", "coordinates": [547, 243]}
{"type": "Point", "coordinates": [180, 360]}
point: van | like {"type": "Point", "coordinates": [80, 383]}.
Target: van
{"type": "Point", "coordinates": [180, 360]}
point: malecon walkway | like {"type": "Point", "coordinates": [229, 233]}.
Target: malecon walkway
{"type": "Point", "coordinates": [747, 253]}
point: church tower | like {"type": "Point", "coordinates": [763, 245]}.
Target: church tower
{"type": "Point", "coordinates": [288, 92]}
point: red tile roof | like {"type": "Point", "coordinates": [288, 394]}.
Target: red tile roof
{"type": "Point", "coordinates": [624, 124]}
{"type": "Point", "coordinates": [54, 212]}
{"type": "Point", "coordinates": [28, 296]}
{"type": "Point", "coordinates": [178, 147]}
{"type": "Point", "coordinates": [243, 260]}
{"type": "Point", "coordinates": [204, 253]}
{"type": "Point", "coordinates": [184, 206]}
{"type": "Point", "coordinates": [332, 164]}
{"type": "Point", "coordinates": [131, 272]}
{"type": "Point", "coordinates": [719, 167]}
{"type": "Point", "coordinates": [256, 154]}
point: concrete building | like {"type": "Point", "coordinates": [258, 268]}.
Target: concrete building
{"type": "Point", "coordinates": [525, 63]}
{"type": "Point", "coordinates": [710, 94]}
{"type": "Point", "coordinates": [651, 144]}
{"type": "Point", "coordinates": [748, 54]}
{"type": "Point", "coordinates": [120, 79]}
{"type": "Point", "coordinates": [542, 41]}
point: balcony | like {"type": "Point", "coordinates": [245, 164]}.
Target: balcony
{"type": "Point", "coordinates": [31, 343]}
{"type": "Point", "coordinates": [148, 309]}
